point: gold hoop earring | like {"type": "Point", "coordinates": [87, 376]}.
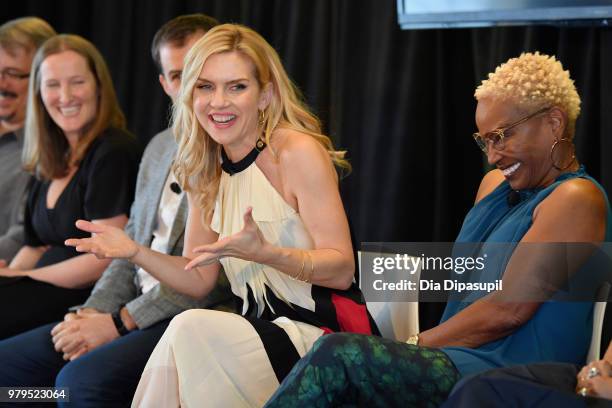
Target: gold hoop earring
{"type": "Point", "coordinates": [262, 118]}
{"type": "Point", "coordinates": [559, 154]}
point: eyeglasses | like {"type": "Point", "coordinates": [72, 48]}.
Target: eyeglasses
{"type": "Point", "coordinates": [496, 137]}
{"type": "Point", "coordinates": [11, 73]}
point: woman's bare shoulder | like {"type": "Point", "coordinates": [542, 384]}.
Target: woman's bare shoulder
{"type": "Point", "coordinates": [489, 182]}
{"type": "Point", "coordinates": [296, 149]}
{"type": "Point", "coordinates": [579, 193]}
{"type": "Point", "coordinates": [575, 211]}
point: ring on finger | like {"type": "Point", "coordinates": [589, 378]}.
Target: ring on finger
{"type": "Point", "coordinates": [593, 372]}
{"type": "Point", "coordinates": [583, 391]}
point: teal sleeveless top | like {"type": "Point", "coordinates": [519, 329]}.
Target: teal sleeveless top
{"type": "Point", "coordinates": [558, 331]}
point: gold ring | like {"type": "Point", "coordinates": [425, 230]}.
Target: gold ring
{"type": "Point", "coordinates": [583, 391]}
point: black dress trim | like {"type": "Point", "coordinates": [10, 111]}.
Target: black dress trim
{"type": "Point", "coordinates": [232, 168]}
{"type": "Point", "coordinates": [279, 348]}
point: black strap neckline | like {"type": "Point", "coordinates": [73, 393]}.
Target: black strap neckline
{"type": "Point", "coordinates": [232, 168]}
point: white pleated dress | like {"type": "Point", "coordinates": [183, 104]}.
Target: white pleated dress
{"type": "Point", "coordinates": [209, 358]}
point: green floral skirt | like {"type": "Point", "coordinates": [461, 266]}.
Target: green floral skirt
{"type": "Point", "coordinates": [355, 370]}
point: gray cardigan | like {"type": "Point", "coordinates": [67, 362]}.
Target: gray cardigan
{"type": "Point", "coordinates": [13, 184]}
{"type": "Point", "coordinates": [119, 284]}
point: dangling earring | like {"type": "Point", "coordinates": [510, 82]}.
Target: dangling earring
{"type": "Point", "coordinates": [261, 121]}
{"type": "Point", "coordinates": [569, 150]}
{"type": "Point", "coordinates": [260, 144]}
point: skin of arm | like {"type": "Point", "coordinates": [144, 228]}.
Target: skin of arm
{"type": "Point", "coordinates": [27, 257]}
{"type": "Point", "coordinates": [308, 181]}
{"type": "Point", "coordinates": [77, 272]}
{"type": "Point", "coordinates": [111, 242]}
{"type": "Point", "coordinates": [313, 181]}
{"type": "Point", "coordinates": [608, 354]}
{"type": "Point", "coordinates": [196, 282]}
{"type": "Point", "coordinates": [315, 191]}
{"type": "Point", "coordinates": [127, 320]}
{"type": "Point", "coordinates": [488, 319]}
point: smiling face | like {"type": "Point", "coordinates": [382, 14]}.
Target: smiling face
{"type": "Point", "coordinates": [226, 100]}
{"type": "Point", "coordinates": [13, 84]}
{"type": "Point", "coordinates": [69, 92]}
{"type": "Point", "coordinates": [525, 160]}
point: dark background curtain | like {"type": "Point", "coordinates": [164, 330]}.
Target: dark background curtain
{"type": "Point", "coordinates": [399, 101]}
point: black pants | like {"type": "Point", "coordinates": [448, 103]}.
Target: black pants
{"type": "Point", "coordinates": [26, 303]}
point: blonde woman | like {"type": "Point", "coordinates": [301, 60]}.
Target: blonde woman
{"type": "Point", "coordinates": [264, 204]}
{"type": "Point", "coordinates": [85, 164]}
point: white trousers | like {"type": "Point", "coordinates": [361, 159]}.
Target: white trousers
{"type": "Point", "coordinates": [208, 358]}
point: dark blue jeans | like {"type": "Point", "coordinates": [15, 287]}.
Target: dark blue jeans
{"type": "Point", "coordinates": [105, 376]}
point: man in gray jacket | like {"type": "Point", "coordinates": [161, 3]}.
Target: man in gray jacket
{"type": "Point", "coordinates": [99, 352]}
{"type": "Point", "coordinates": [19, 40]}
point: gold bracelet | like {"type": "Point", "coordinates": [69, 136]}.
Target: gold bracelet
{"type": "Point", "coordinates": [309, 277]}
{"type": "Point", "coordinates": [301, 272]}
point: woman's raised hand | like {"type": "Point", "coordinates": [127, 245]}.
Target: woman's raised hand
{"type": "Point", "coordinates": [248, 244]}
{"type": "Point", "coordinates": [106, 241]}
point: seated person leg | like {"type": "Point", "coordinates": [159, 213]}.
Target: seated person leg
{"type": "Point", "coordinates": [372, 371]}
{"type": "Point", "coordinates": [29, 359]}
{"type": "Point", "coordinates": [108, 375]}
{"type": "Point", "coordinates": [544, 384]}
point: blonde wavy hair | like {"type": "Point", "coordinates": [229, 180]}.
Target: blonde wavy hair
{"type": "Point", "coordinates": [198, 161]}
{"type": "Point", "coordinates": [46, 150]}
{"type": "Point", "coordinates": [533, 81]}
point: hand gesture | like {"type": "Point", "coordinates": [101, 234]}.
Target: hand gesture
{"type": "Point", "coordinates": [595, 379]}
{"type": "Point", "coordinates": [248, 244]}
{"type": "Point", "coordinates": [82, 332]}
{"type": "Point", "coordinates": [106, 241]}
